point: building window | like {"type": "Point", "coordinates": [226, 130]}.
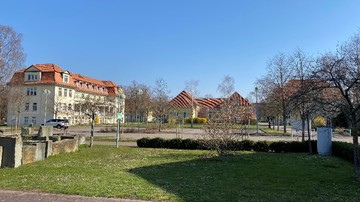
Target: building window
{"type": "Point", "coordinates": [32, 77]}
{"type": "Point", "coordinates": [77, 107]}
{"type": "Point", "coordinates": [26, 120]}
{"type": "Point", "coordinates": [70, 93]}
{"type": "Point", "coordinates": [66, 78]}
{"type": "Point", "coordinates": [31, 92]}
{"type": "Point", "coordinates": [34, 106]}
{"type": "Point", "coordinates": [60, 92]}
{"type": "Point", "coordinates": [27, 106]}
{"type": "Point", "coordinates": [33, 120]}
{"type": "Point", "coordinates": [65, 92]}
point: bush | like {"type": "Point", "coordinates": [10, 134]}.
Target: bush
{"type": "Point", "coordinates": [343, 150]}
{"type": "Point", "coordinates": [156, 143]}
{"type": "Point", "coordinates": [201, 120]}
{"type": "Point", "coordinates": [246, 145]}
{"type": "Point", "coordinates": [172, 121]}
{"type": "Point", "coordinates": [278, 147]}
{"type": "Point", "coordinates": [261, 146]}
{"type": "Point", "coordinates": [143, 142]}
{"type": "Point", "coordinates": [318, 122]}
{"type": "Point", "coordinates": [195, 120]}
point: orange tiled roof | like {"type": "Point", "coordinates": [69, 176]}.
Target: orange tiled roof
{"type": "Point", "coordinates": [53, 74]}
{"type": "Point", "coordinates": [47, 67]}
{"type": "Point", "coordinates": [183, 100]}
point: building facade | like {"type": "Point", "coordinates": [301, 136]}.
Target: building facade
{"type": "Point", "coordinates": [45, 91]}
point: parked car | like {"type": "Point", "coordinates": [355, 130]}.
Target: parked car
{"type": "Point", "coordinates": [58, 123]}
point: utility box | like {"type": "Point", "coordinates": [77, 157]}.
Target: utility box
{"type": "Point", "coordinates": [324, 141]}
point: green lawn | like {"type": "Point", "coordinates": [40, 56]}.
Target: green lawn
{"type": "Point", "coordinates": [109, 139]}
{"type": "Point", "coordinates": [179, 175]}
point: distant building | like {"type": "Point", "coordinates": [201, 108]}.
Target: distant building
{"type": "Point", "coordinates": [185, 105]}
{"type": "Point", "coordinates": [45, 91]}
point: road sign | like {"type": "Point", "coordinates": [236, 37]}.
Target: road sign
{"type": "Point", "coordinates": [119, 116]}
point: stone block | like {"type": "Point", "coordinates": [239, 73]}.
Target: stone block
{"type": "Point", "coordinates": [1, 151]}
{"type": "Point", "coordinates": [26, 131]}
{"type": "Point", "coordinates": [12, 151]}
{"type": "Point", "coordinates": [33, 151]}
{"type": "Point", "coordinates": [64, 146]}
{"type": "Point", "coordinates": [29, 152]}
{"type": "Point", "coordinates": [45, 132]}
{"type": "Point", "coordinates": [48, 148]}
{"type": "Point", "coordinates": [81, 139]}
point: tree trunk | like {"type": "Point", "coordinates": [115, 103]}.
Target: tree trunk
{"type": "Point", "coordinates": [92, 131]}
{"type": "Point", "coordinates": [354, 131]}
{"type": "Point", "coordinates": [309, 134]}
{"type": "Point", "coordinates": [303, 128]}
{"type": "Point", "coordinates": [284, 122]}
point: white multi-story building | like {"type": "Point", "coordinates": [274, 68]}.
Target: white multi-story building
{"type": "Point", "coordinates": [45, 91]}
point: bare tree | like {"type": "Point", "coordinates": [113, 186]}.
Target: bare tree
{"type": "Point", "coordinates": [12, 58]}
{"type": "Point", "coordinates": [19, 103]}
{"type": "Point", "coordinates": [341, 70]}
{"type": "Point", "coordinates": [226, 88]}
{"type": "Point", "coordinates": [225, 125]}
{"type": "Point", "coordinates": [192, 87]}
{"type": "Point", "coordinates": [160, 100]}
{"type": "Point", "coordinates": [138, 101]}
{"type": "Point", "coordinates": [274, 85]}
{"type": "Point", "coordinates": [304, 91]}
{"type": "Point", "coordinates": [91, 107]}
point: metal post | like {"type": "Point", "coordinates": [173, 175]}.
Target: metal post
{"type": "Point", "coordinates": [256, 110]}
{"type": "Point", "coordinates": [117, 133]}
{"type": "Point", "coordinates": [46, 92]}
{"type": "Point", "coordinates": [120, 116]}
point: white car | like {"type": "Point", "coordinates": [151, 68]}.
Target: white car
{"type": "Point", "coordinates": [58, 123]}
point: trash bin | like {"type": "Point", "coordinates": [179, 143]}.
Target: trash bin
{"type": "Point", "coordinates": [324, 141]}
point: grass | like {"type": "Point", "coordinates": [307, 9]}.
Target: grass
{"type": "Point", "coordinates": [179, 175]}
{"type": "Point", "coordinates": [109, 139]}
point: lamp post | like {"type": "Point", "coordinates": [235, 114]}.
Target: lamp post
{"type": "Point", "coordinates": [139, 93]}
{"type": "Point", "coordinates": [256, 110]}
{"type": "Point", "coordinates": [120, 115]}
{"type": "Point", "coordinates": [46, 93]}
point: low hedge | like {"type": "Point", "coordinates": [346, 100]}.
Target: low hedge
{"type": "Point", "coordinates": [343, 150]}
{"type": "Point", "coordinates": [340, 149]}
{"type": "Point", "coordinates": [244, 145]}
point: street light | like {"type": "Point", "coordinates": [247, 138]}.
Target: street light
{"type": "Point", "coordinates": [139, 93]}
{"type": "Point", "coordinates": [46, 93]}
{"type": "Point", "coordinates": [256, 110]}
{"type": "Point", "coordinates": [120, 115]}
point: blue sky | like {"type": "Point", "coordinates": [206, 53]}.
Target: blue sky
{"type": "Point", "coordinates": [177, 40]}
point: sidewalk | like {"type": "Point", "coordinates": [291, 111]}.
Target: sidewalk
{"type": "Point", "coordinates": [21, 196]}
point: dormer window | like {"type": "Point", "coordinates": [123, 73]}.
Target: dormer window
{"type": "Point", "coordinates": [32, 77]}
{"type": "Point", "coordinates": [66, 78]}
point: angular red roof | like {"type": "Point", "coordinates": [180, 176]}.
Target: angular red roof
{"type": "Point", "coordinates": [53, 74]}
{"type": "Point", "coordinates": [183, 100]}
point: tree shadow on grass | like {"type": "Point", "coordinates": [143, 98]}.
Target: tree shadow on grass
{"type": "Point", "coordinates": [252, 177]}
{"type": "Point", "coordinates": [210, 179]}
